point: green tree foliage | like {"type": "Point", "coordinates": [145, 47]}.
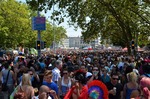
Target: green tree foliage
{"type": "Point", "coordinates": [53, 32]}
{"type": "Point", "coordinates": [15, 26]}
{"type": "Point", "coordinates": [118, 20]}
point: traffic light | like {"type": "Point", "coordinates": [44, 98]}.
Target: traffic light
{"type": "Point", "coordinates": [132, 44]}
{"type": "Point", "coordinates": [44, 44]}
{"type": "Point", "coordinates": [38, 45]}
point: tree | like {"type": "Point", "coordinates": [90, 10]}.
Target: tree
{"type": "Point", "coordinates": [118, 20]}
{"type": "Point", "coordinates": [15, 26]}
{"type": "Point", "coordinates": [51, 31]}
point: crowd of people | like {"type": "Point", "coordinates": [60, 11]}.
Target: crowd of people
{"type": "Point", "coordinates": [75, 75]}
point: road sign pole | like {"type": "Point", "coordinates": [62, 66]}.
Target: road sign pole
{"type": "Point", "coordinates": [39, 36]}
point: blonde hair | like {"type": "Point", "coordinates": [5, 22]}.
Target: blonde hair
{"type": "Point", "coordinates": [26, 80]}
{"type": "Point", "coordinates": [132, 76]}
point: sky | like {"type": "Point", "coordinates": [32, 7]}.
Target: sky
{"type": "Point", "coordinates": [71, 32]}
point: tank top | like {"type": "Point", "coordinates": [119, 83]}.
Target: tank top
{"type": "Point", "coordinates": [129, 91]}
{"type": "Point", "coordinates": [65, 87]}
{"type": "Point", "coordinates": [10, 78]}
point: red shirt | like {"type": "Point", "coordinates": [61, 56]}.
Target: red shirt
{"type": "Point", "coordinates": [83, 93]}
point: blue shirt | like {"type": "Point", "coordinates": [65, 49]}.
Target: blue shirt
{"type": "Point", "coordinates": [52, 86]}
{"type": "Point", "coordinates": [105, 80]}
{"type": "Point", "coordinates": [42, 65]}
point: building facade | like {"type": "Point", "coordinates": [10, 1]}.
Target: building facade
{"type": "Point", "coordinates": [77, 42]}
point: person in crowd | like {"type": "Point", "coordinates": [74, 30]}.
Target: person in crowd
{"type": "Point", "coordinates": [22, 61]}
{"type": "Point", "coordinates": [80, 89]}
{"type": "Point", "coordinates": [34, 78]}
{"type": "Point", "coordinates": [42, 65]}
{"type": "Point", "coordinates": [131, 85]}
{"type": "Point", "coordinates": [19, 72]}
{"type": "Point", "coordinates": [27, 85]}
{"type": "Point", "coordinates": [20, 94]}
{"type": "Point", "coordinates": [44, 93]}
{"type": "Point", "coordinates": [48, 61]}
{"type": "Point", "coordinates": [11, 78]}
{"type": "Point", "coordinates": [105, 77]}
{"type": "Point", "coordinates": [24, 90]}
{"type": "Point", "coordinates": [123, 76]}
{"type": "Point", "coordinates": [96, 73]}
{"type": "Point", "coordinates": [146, 70]}
{"type": "Point", "coordinates": [145, 88]}
{"type": "Point", "coordinates": [84, 68]}
{"type": "Point", "coordinates": [107, 67]}
{"type": "Point", "coordinates": [65, 83]}
{"type": "Point", "coordinates": [114, 69]}
{"type": "Point", "coordinates": [89, 77]}
{"type": "Point", "coordinates": [56, 71]}
{"type": "Point", "coordinates": [121, 63]}
{"type": "Point", "coordinates": [96, 62]}
{"type": "Point", "coordinates": [48, 81]}
{"type": "Point", "coordinates": [115, 89]}
{"type": "Point", "coordinates": [135, 94]}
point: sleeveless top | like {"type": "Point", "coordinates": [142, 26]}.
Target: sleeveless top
{"type": "Point", "coordinates": [10, 78]}
{"type": "Point", "coordinates": [129, 91]}
{"type": "Point", "coordinates": [65, 87]}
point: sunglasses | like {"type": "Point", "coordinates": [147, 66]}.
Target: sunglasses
{"type": "Point", "coordinates": [65, 73]}
{"type": "Point", "coordinates": [31, 74]}
{"type": "Point", "coordinates": [115, 78]}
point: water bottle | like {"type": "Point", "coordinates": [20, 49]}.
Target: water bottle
{"type": "Point", "coordinates": [114, 88]}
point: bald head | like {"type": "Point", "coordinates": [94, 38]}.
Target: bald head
{"type": "Point", "coordinates": [44, 88]}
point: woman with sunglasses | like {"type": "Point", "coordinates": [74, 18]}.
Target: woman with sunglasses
{"type": "Point", "coordinates": [96, 73]}
{"type": "Point", "coordinates": [80, 89]}
{"type": "Point", "coordinates": [64, 83]}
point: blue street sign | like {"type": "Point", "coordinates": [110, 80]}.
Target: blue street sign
{"type": "Point", "coordinates": [38, 23]}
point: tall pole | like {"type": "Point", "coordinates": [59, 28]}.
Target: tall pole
{"type": "Point", "coordinates": [136, 45]}
{"type": "Point", "coordinates": [39, 35]}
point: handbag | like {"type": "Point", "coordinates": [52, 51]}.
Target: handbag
{"type": "Point", "coordinates": [4, 85]}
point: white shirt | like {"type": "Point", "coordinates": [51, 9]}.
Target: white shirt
{"type": "Point", "coordinates": [56, 74]}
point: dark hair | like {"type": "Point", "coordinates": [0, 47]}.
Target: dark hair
{"type": "Point", "coordinates": [114, 73]}
{"type": "Point", "coordinates": [146, 68]}
{"type": "Point", "coordinates": [6, 65]}
{"type": "Point", "coordinates": [88, 78]}
{"type": "Point", "coordinates": [80, 76]}
{"type": "Point", "coordinates": [40, 60]}
{"type": "Point", "coordinates": [128, 69]}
